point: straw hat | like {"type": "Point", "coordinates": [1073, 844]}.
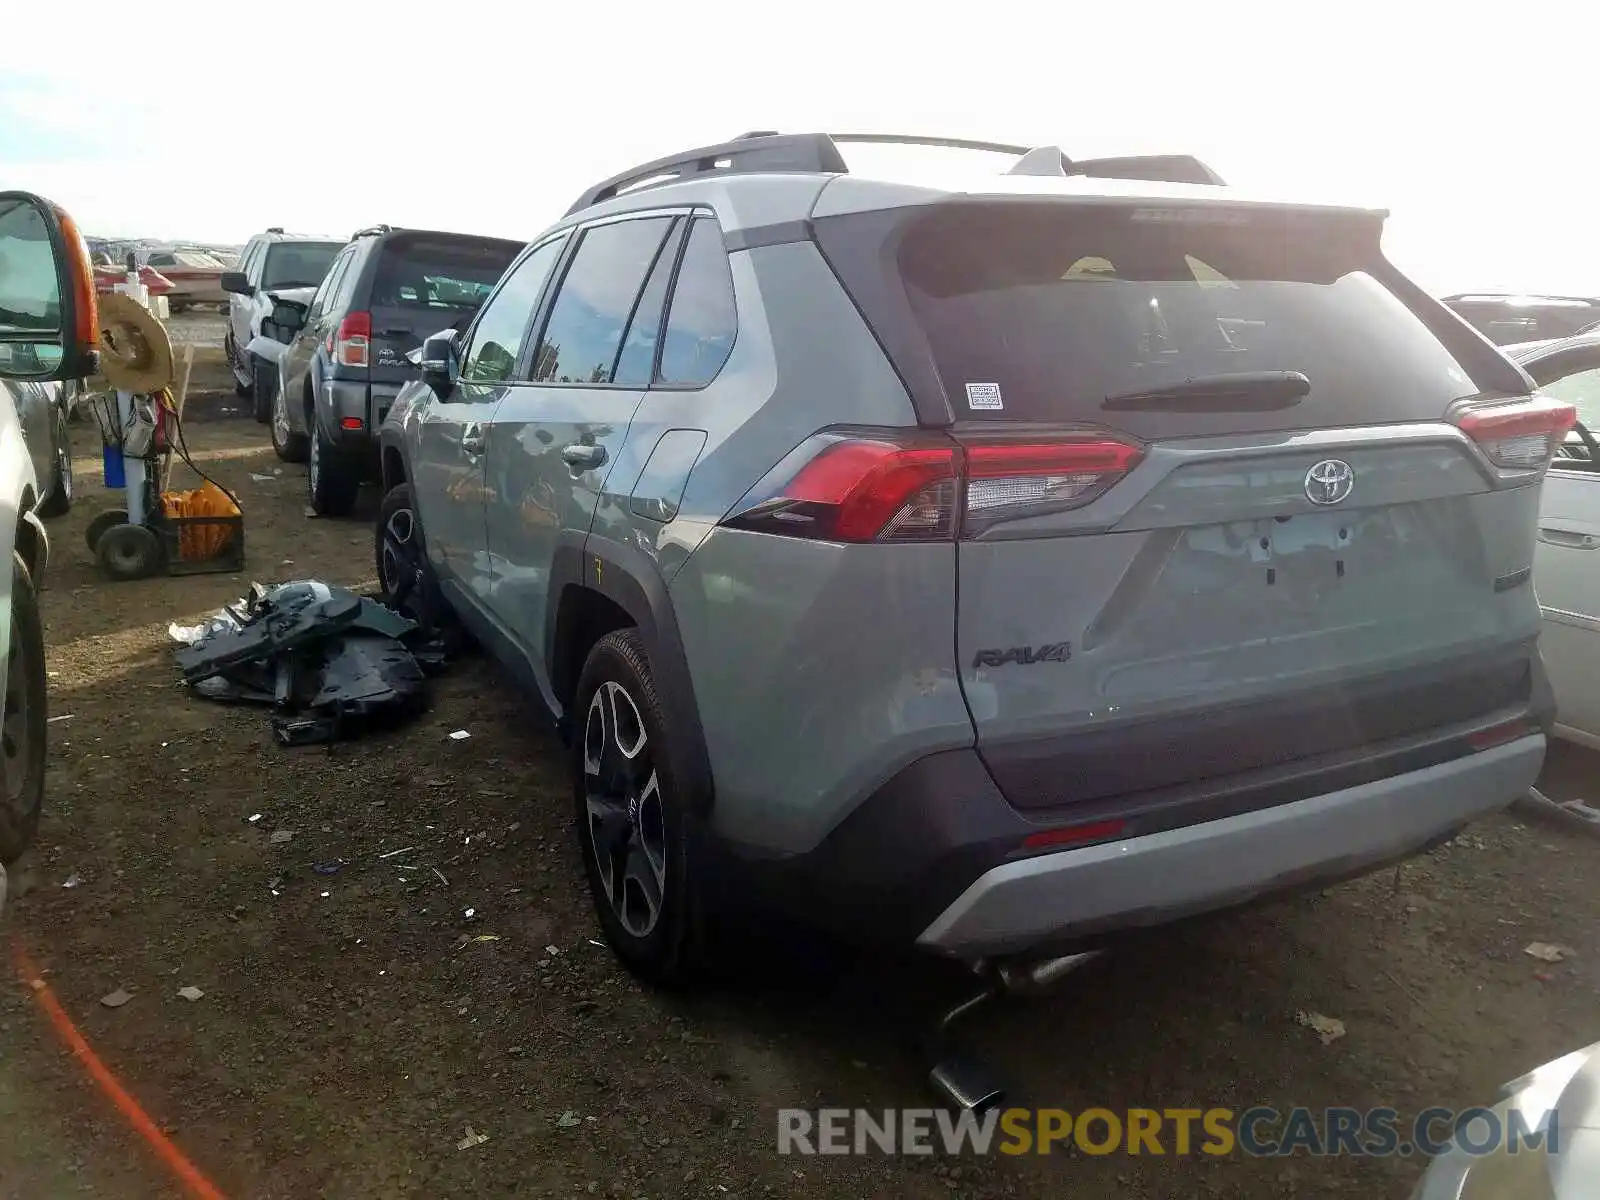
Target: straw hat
{"type": "Point", "coordinates": [135, 353]}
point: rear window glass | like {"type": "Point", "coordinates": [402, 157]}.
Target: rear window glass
{"type": "Point", "coordinates": [1043, 311]}
{"type": "Point", "coordinates": [441, 275]}
{"type": "Point", "coordinates": [298, 264]}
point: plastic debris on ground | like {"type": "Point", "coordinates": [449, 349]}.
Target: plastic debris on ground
{"type": "Point", "coordinates": [1329, 1029]}
{"type": "Point", "coordinates": [191, 994]}
{"type": "Point", "coordinates": [73, 880]}
{"type": "Point", "coordinates": [330, 664]}
{"type": "Point", "coordinates": [116, 999]}
{"type": "Point", "coordinates": [1548, 952]}
{"type": "Point", "coordinates": [472, 1139]}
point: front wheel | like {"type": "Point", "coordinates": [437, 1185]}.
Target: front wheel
{"type": "Point", "coordinates": [23, 728]}
{"type": "Point", "coordinates": [631, 816]}
{"type": "Point", "coordinates": [263, 386]}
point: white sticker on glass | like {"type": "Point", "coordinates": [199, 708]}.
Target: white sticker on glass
{"type": "Point", "coordinates": [984, 396]}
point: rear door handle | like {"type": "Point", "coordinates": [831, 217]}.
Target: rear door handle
{"type": "Point", "coordinates": [472, 440]}
{"type": "Point", "coordinates": [1572, 539]}
{"type": "Point", "coordinates": [584, 456]}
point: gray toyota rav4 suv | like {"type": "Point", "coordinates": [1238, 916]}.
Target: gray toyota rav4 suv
{"type": "Point", "coordinates": [991, 567]}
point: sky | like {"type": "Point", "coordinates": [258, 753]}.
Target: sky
{"type": "Point", "coordinates": [201, 121]}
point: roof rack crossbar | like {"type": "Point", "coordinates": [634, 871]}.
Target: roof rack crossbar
{"type": "Point", "coordinates": [765, 150]}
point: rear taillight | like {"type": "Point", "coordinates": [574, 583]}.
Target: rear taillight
{"type": "Point", "coordinates": [870, 489]}
{"type": "Point", "coordinates": [1520, 436]}
{"type": "Point", "coordinates": [1005, 481]}
{"type": "Point", "coordinates": [351, 343]}
{"type": "Point", "coordinates": [859, 490]}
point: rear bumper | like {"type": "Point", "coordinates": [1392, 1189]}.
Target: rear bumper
{"type": "Point", "coordinates": [936, 857]}
{"type": "Point", "coordinates": [356, 401]}
{"type": "Point", "coordinates": [1165, 876]}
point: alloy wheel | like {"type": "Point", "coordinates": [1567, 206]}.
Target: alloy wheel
{"type": "Point", "coordinates": [314, 466]}
{"type": "Point", "coordinates": [398, 564]}
{"type": "Point", "coordinates": [622, 792]}
{"type": "Point", "coordinates": [280, 419]}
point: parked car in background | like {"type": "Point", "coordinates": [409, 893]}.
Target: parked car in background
{"type": "Point", "coordinates": [43, 410]}
{"type": "Point", "coordinates": [387, 291]}
{"type": "Point", "coordinates": [273, 263]}
{"type": "Point", "coordinates": [108, 275]}
{"type": "Point", "coordinates": [1535, 1141]}
{"type": "Point", "coordinates": [196, 277]}
{"type": "Point", "coordinates": [1507, 318]}
{"type": "Point", "coordinates": [989, 571]}
{"type": "Point", "coordinates": [1567, 558]}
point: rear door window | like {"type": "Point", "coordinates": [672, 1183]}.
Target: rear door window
{"type": "Point", "coordinates": [443, 275]}
{"type": "Point", "coordinates": [590, 314]}
{"type": "Point", "coordinates": [637, 359]}
{"type": "Point", "coordinates": [1041, 311]}
{"type": "Point", "coordinates": [702, 321]}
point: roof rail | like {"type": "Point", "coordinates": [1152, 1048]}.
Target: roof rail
{"type": "Point", "coordinates": [1519, 296]}
{"type": "Point", "coordinates": [274, 228]}
{"type": "Point", "coordinates": [371, 231]}
{"type": "Point", "coordinates": [767, 151]}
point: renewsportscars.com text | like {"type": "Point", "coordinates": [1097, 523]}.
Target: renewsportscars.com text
{"type": "Point", "coordinates": [1258, 1132]}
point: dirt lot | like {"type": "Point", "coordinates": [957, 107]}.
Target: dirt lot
{"type": "Point", "coordinates": [353, 1026]}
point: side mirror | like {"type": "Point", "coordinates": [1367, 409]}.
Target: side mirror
{"type": "Point", "coordinates": [49, 326]}
{"type": "Point", "coordinates": [236, 283]}
{"type": "Point", "coordinates": [440, 367]}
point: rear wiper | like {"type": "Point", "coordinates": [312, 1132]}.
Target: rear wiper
{"type": "Point", "coordinates": [1247, 391]}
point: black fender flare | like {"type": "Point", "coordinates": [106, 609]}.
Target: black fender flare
{"type": "Point", "coordinates": [631, 580]}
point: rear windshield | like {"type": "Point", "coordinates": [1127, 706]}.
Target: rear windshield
{"type": "Point", "coordinates": [453, 276]}
{"type": "Point", "coordinates": [1040, 312]}
{"type": "Point", "coordinates": [298, 264]}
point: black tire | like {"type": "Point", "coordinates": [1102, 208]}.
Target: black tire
{"type": "Point", "coordinates": [101, 522]}
{"type": "Point", "coordinates": [290, 446]}
{"type": "Point", "coordinates": [58, 501]}
{"type": "Point", "coordinates": [23, 733]}
{"type": "Point", "coordinates": [405, 581]}
{"type": "Point", "coordinates": [640, 830]}
{"type": "Point", "coordinates": [242, 387]}
{"type": "Point", "coordinates": [129, 552]}
{"type": "Point", "coordinates": [333, 479]}
{"type": "Point", "coordinates": [263, 383]}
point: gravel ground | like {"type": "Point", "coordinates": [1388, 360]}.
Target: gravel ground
{"type": "Point", "coordinates": [354, 1025]}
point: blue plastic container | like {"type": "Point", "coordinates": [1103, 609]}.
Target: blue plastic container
{"type": "Point", "coordinates": [115, 474]}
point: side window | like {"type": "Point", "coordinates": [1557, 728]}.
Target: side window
{"type": "Point", "coordinates": [247, 261]}
{"type": "Point", "coordinates": [584, 333]}
{"type": "Point", "coordinates": [503, 322]}
{"type": "Point", "coordinates": [638, 356]}
{"type": "Point", "coordinates": [339, 294]}
{"type": "Point", "coordinates": [702, 321]}
{"type": "Point", "coordinates": [161, 260]}
{"type": "Point", "coordinates": [326, 289]}
{"type": "Point", "coordinates": [1582, 390]}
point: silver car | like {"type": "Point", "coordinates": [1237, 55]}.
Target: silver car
{"type": "Point", "coordinates": [987, 568]}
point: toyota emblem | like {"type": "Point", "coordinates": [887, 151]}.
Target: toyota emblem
{"type": "Point", "coordinates": [1329, 481]}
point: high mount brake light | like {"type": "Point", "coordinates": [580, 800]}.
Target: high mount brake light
{"type": "Point", "coordinates": [1523, 435]}
{"type": "Point", "coordinates": [872, 489]}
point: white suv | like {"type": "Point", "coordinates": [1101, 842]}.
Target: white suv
{"type": "Point", "coordinates": [274, 263]}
